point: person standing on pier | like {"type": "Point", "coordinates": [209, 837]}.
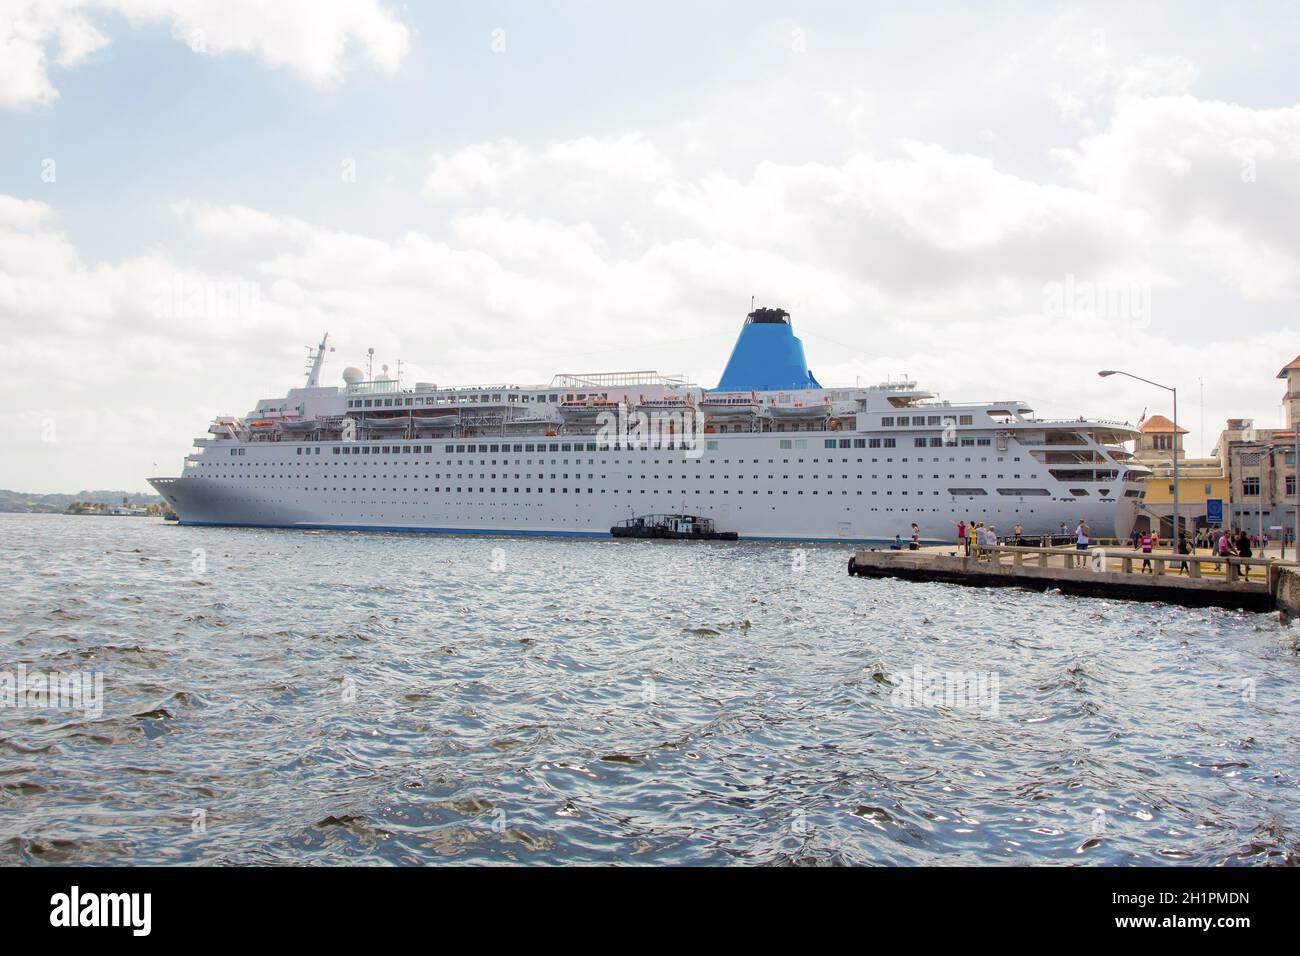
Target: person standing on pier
{"type": "Point", "coordinates": [1184, 547]}
{"type": "Point", "coordinates": [1244, 550]}
{"type": "Point", "coordinates": [961, 533]}
{"type": "Point", "coordinates": [1080, 535]}
{"type": "Point", "coordinates": [1148, 543]}
{"type": "Point", "coordinates": [916, 537]}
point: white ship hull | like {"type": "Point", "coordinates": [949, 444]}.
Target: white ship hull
{"type": "Point", "coordinates": [747, 484]}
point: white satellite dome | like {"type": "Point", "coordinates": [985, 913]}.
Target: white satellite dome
{"type": "Point", "coordinates": [353, 375]}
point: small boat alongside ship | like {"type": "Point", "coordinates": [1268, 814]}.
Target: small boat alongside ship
{"type": "Point", "coordinates": [672, 527]}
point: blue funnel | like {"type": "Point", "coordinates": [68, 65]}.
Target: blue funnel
{"type": "Point", "coordinates": [768, 356]}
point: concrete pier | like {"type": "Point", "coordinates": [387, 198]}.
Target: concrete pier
{"type": "Point", "coordinates": [1102, 572]}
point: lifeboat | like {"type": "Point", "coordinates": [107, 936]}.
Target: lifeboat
{"type": "Point", "coordinates": [299, 424]}
{"type": "Point", "coordinates": [440, 420]}
{"type": "Point", "coordinates": [729, 405]}
{"type": "Point", "coordinates": [387, 423]}
{"type": "Point", "coordinates": [669, 403]}
{"type": "Point", "coordinates": [798, 410]}
{"type": "Point", "coordinates": [263, 425]}
{"type": "Point", "coordinates": [588, 409]}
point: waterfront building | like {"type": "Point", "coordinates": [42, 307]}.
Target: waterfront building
{"type": "Point", "coordinates": [1200, 480]}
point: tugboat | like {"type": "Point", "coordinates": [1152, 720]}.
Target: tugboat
{"type": "Point", "coordinates": [675, 527]}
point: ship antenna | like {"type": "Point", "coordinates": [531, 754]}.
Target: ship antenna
{"type": "Point", "coordinates": [370, 364]}
{"type": "Point", "coordinates": [317, 360]}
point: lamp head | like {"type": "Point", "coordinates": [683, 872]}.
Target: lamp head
{"type": "Point", "coordinates": [1106, 373]}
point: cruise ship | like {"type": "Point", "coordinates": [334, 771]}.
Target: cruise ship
{"type": "Point", "coordinates": [769, 454]}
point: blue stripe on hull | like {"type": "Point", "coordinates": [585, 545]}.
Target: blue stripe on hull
{"type": "Point", "coordinates": [496, 532]}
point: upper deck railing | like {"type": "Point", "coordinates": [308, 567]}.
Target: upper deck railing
{"type": "Point", "coordinates": [618, 379]}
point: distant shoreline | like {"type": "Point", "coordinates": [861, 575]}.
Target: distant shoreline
{"type": "Point", "coordinates": [21, 502]}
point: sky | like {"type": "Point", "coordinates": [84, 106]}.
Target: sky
{"type": "Point", "coordinates": [995, 200]}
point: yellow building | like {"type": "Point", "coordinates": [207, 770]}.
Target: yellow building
{"type": "Point", "coordinates": [1199, 479]}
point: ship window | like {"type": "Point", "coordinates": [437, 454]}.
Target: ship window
{"type": "Point", "coordinates": [1079, 492]}
{"type": "Point", "coordinates": [889, 442]}
{"type": "Point", "coordinates": [1023, 492]}
{"type": "Point", "coordinates": [965, 420]}
{"type": "Point", "coordinates": [859, 443]}
{"type": "Point", "coordinates": [828, 443]}
{"type": "Point", "coordinates": [966, 492]}
{"type": "Point", "coordinates": [887, 421]}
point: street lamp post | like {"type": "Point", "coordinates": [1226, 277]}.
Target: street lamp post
{"type": "Point", "coordinates": [1106, 373]}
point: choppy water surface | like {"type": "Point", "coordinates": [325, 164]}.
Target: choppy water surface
{"type": "Point", "coordinates": [363, 698]}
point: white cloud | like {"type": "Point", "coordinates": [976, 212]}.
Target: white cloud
{"type": "Point", "coordinates": [584, 171]}
{"type": "Point", "coordinates": [919, 227]}
{"type": "Point", "coordinates": [236, 223]}
{"type": "Point", "coordinates": [28, 29]}
{"type": "Point", "coordinates": [1222, 179]}
{"type": "Point", "coordinates": [1084, 74]}
{"type": "Point", "coordinates": [22, 213]}
{"type": "Point", "coordinates": [310, 37]}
